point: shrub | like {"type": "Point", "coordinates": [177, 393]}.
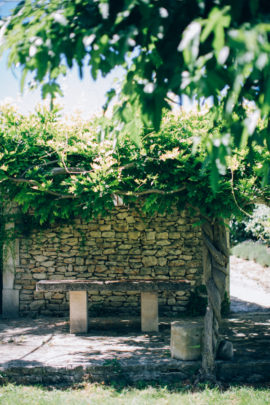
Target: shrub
{"type": "Point", "coordinates": [256, 227]}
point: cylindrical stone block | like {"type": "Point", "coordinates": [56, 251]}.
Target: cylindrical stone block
{"type": "Point", "coordinates": [186, 339]}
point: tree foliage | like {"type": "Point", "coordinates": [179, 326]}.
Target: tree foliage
{"type": "Point", "coordinates": [217, 50]}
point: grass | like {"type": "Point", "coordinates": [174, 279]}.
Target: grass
{"type": "Point", "coordinates": [257, 252]}
{"type": "Point", "coordinates": [98, 394]}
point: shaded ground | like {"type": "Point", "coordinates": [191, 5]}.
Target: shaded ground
{"type": "Point", "coordinates": [47, 341]}
{"type": "Point", "coordinates": [42, 350]}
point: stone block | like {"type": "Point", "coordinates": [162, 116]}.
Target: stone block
{"type": "Point", "coordinates": [130, 220]}
{"type": "Point", "coordinates": [149, 261]}
{"type": "Point", "coordinates": [164, 242]}
{"type": "Point", "coordinates": [162, 261]}
{"type": "Point", "coordinates": [186, 339]}
{"type": "Point", "coordinates": [39, 276]}
{"type": "Point", "coordinates": [109, 234]}
{"type": "Point", "coordinates": [121, 227]}
{"type": "Point", "coordinates": [134, 235]}
{"type": "Point", "coordinates": [174, 235]}
{"type": "Point", "coordinates": [177, 263]}
{"type": "Point", "coordinates": [139, 226]}
{"type": "Point", "coordinates": [149, 312]}
{"type": "Point", "coordinates": [122, 215]}
{"type": "Point", "coordinates": [150, 235]}
{"type": "Point", "coordinates": [149, 252]}
{"type": "Point", "coordinates": [162, 235]}
{"type": "Point", "coordinates": [106, 227]}
{"type": "Point", "coordinates": [36, 305]}
{"type": "Point", "coordinates": [41, 258]}
{"type": "Point", "coordinates": [79, 261]}
{"type": "Point", "coordinates": [78, 311]}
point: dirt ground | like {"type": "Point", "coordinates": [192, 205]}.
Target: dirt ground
{"type": "Point", "coordinates": [249, 286]}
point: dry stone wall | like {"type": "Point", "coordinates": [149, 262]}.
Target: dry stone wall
{"type": "Point", "coordinates": [124, 245]}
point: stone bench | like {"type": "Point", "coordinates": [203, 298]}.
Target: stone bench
{"type": "Point", "coordinates": [78, 302]}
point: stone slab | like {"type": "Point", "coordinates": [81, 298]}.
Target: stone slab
{"type": "Point", "coordinates": [113, 285]}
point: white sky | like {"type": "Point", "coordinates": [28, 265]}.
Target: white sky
{"type": "Point", "coordinates": [85, 95]}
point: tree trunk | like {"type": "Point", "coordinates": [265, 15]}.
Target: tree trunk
{"type": "Point", "coordinates": [215, 264]}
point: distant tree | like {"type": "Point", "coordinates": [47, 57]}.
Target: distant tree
{"type": "Point", "coordinates": [205, 49]}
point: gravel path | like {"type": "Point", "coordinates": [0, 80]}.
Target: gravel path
{"type": "Point", "coordinates": [249, 286]}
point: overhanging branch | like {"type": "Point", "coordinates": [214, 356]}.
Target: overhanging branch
{"type": "Point", "coordinates": [147, 192]}
{"type": "Point", "coordinates": [37, 187]}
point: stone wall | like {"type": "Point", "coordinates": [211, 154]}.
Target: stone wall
{"type": "Point", "coordinates": [124, 245]}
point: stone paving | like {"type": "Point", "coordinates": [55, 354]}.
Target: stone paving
{"type": "Point", "coordinates": [42, 350]}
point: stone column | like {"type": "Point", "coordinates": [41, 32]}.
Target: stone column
{"type": "Point", "coordinates": [149, 312]}
{"type": "Point", "coordinates": [10, 296]}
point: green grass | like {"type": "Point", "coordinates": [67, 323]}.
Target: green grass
{"type": "Point", "coordinates": [98, 394]}
{"type": "Point", "coordinates": [253, 251]}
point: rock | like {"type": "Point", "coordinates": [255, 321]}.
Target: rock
{"type": "Point", "coordinates": [225, 350]}
{"type": "Point", "coordinates": [149, 261]}
{"type": "Point", "coordinates": [162, 235]}
{"type": "Point", "coordinates": [150, 235]}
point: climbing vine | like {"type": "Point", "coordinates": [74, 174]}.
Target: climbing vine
{"type": "Point", "coordinates": [54, 170]}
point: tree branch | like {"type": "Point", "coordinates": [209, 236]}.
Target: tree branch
{"type": "Point", "coordinates": [68, 170]}
{"type": "Point", "coordinates": [36, 186]}
{"type": "Point", "coordinates": [41, 165]}
{"type": "Point", "coordinates": [217, 256]}
{"type": "Point", "coordinates": [153, 191]}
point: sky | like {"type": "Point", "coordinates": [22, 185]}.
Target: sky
{"type": "Point", "coordinates": [84, 96]}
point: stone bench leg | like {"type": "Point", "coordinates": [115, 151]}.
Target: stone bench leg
{"type": "Point", "coordinates": [149, 312]}
{"type": "Point", "coordinates": [78, 311]}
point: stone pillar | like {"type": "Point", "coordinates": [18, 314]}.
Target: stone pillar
{"type": "Point", "coordinates": [149, 312]}
{"type": "Point", "coordinates": [78, 311]}
{"type": "Point", "coordinates": [10, 296]}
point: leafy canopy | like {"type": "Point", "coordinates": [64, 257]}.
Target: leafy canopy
{"type": "Point", "coordinates": [54, 170]}
{"type": "Point", "coordinates": [216, 50]}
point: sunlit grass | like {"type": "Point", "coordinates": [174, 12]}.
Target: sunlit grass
{"type": "Point", "coordinates": [98, 394]}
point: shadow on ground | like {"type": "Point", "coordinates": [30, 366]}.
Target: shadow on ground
{"type": "Point", "coordinates": [43, 351]}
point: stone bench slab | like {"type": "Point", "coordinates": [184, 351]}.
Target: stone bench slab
{"type": "Point", "coordinates": [113, 285]}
